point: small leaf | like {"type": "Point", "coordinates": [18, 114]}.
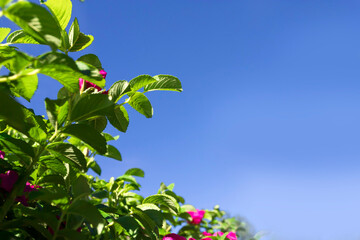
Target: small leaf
{"type": "Point", "coordinates": [74, 32]}
{"type": "Point", "coordinates": [20, 36]}
{"type": "Point", "coordinates": [141, 104]}
{"type": "Point", "coordinates": [68, 153]}
{"type": "Point", "coordinates": [119, 118]}
{"type": "Point", "coordinates": [118, 89]}
{"type": "Point", "coordinates": [35, 21]}
{"type": "Point", "coordinates": [3, 33]}
{"type": "Point", "coordinates": [135, 172]}
{"type": "Point", "coordinates": [164, 200]}
{"type": "Point", "coordinates": [141, 81]}
{"type": "Point", "coordinates": [13, 60]}
{"type": "Point", "coordinates": [61, 9]}
{"type": "Point", "coordinates": [91, 59]}
{"type": "Point", "coordinates": [89, 106]}
{"type": "Point", "coordinates": [112, 152]}
{"type": "Point", "coordinates": [88, 135]}
{"type": "Point", "coordinates": [164, 82]}
{"type": "Point", "coordinates": [82, 42]}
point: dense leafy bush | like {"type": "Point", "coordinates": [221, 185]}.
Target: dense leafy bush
{"type": "Point", "coordinates": [45, 191]}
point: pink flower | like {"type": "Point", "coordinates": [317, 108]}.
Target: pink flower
{"type": "Point", "coordinates": [28, 188]}
{"type": "Point", "coordinates": [231, 236]}
{"type": "Point", "coordinates": [84, 84]}
{"type": "Point", "coordinates": [196, 216]}
{"type": "Point", "coordinates": [2, 154]}
{"type": "Point", "coordinates": [8, 180]}
{"type": "Point", "coordinates": [103, 73]}
{"type": "Point", "coordinates": [173, 236]}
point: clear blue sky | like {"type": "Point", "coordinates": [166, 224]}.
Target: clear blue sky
{"type": "Point", "coordinates": [268, 123]}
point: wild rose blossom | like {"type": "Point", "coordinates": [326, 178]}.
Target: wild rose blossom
{"type": "Point", "coordinates": [8, 180]}
{"type": "Point", "coordinates": [2, 154]}
{"type": "Point", "coordinates": [196, 216]}
{"type": "Point", "coordinates": [173, 236]}
{"type": "Point", "coordinates": [84, 84]}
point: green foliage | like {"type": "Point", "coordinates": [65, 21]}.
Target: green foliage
{"type": "Point", "coordinates": [53, 196]}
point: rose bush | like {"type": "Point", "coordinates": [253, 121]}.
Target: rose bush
{"type": "Point", "coordinates": [45, 189]}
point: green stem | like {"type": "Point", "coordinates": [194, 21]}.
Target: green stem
{"type": "Point", "coordinates": [58, 225]}
{"type": "Point", "coordinates": [18, 75]}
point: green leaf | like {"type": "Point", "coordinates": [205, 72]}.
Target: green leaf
{"type": "Point", "coordinates": [68, 153]}
{"type": "Point", "coordinates": [141, 81]}
{"type": "Point", "coordinates": [4, 2]}
{"type": "Point", "coordinates": [36, 21]}
{"type": "Point", "coordinates": [135, 172]}
{"type": "Point", "coordinates": [81, 187]}
{"type": "Point", "coordinates": [98, 123]}
{"type": "Point", "coordinates": [3, 33]}
{"type": "Point", "coordinates": [118, 89]}
{"type": "Point", "coordinates": [12, 112]}
{"type": "Point", "coordinates": [91, 59]}
{"type": "Point", "coordinates": [57, 111]}
{"type": "Point", "coordinates": [112, 152]}
{"type": "Point", "coordinates": [89, 106]}
{"type": "Point", "coordinates": [164, 200]}
{"type": "Point", "coordinates": [119, 118]}
{"type": "Point", "coordinates": [16, 146]}
{"type": "Point", "coordinates": [88, 135]}
{"type": "Point", "coordinates": [20, 36]}
{"type": "Point", "coordinates": [65, 70]}
{"type": "Point", "coordinates": [25, 86]}
{"type": "Point", "coordinates": [74, 32]}
{"type": "Point", "coordinates": [89, 212]}
{"type": "Point", "coordinates": [71, 234]}
{"type": "Point", "coordinates": [141, 104]}
{"type": "Point", "coordinates": [82, 42]}
{"type": "Point", "coordinates": [13, 60]}
{"type": "Point", "coordinates": [61, 9]}
{"type": "Point", "coordinates": [164, 82]}
{"type": "Point", "coordinates": [53, 164]}
{"type": "Point", "coordinates": [146, 221]}
{"type": "Point", "coordinates": [50, 194]}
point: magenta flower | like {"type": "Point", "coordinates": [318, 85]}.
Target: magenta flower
{"type": "Point", "coordinates": [8, 180]}
{"type": "Point", "coordinates": [173, 236]}
{"type": "Point", "coordinates": [84, 84]}
{"type": "Point", "coordinates": [2, 154]}
{"type": "Point", "coordinates": [196, 216]}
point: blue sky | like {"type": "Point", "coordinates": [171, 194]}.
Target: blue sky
{"type": "Point", "coordinates": [267, 125]}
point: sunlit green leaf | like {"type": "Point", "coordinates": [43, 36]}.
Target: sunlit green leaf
{"type": "Point", "coordinates": [20, 36]}
{"type": "Point", "coordinates": [91, 59]}
{"type": "Point", "coordinates": [135, 172]}
{"type": "Point", "coordinates": [141, 104]}
{"type": "Point", "coordinates": [74, 32]}
{"type": "Point", "coordinates": [119, 118]}
{"type": "Point", "coordinates": [3, 33]}
{"type": "Point", "coordinates": [61, 9]}
{"type": "Point", "coordinates": [164, 82]}
{"type": "Point", "coordinates": [112, 152]}
{"type": "Point", "coordinates": [68, 153]}
{"type": "Point", "coordinates": [82, 42]}
{"type": "Point", "coordinates": [26, 85]}
{"type": "Point", "coordinates": [141, 81]}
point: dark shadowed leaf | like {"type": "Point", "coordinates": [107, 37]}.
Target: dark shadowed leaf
{"type": "Point", "coordinates": [68, 153]}
{"type": "Point", "coordinates": [88, 135]}
{"type": "Point", "coordinates": [11, 112]}
{"type": "Point", "coordinates": [16, 146]}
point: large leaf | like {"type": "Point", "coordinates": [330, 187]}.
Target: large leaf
{"type": "Point", "coordinates": [164, 82]}
{"type": "Point", "coordinates": [81, 187]}
{"type": "Point", "coordinates": [119, 118]}
{"type": "Point", "coordinates": [65, 70]}
{"type": "Point", "coordinates": [91, 59]}
{"type": "Point", "coordinates": [141, 81]}
{"type": "Point", "coordinates": [3, 33]}
{"type": "Point", "coordinates": [89, 212]}
{"type": "Point", "coordinates": [36, 21]}
{"type": "Point", "coordinates": [61, 9]}
{"type": "Point", "coordinates": [82, 42]}
{"type": "Point", "coordinates": [20, 36]}
{"type": "Point", "coordinates": [68, 153]}
{"type": "Point", "coordinates": [112, 152]}
{"type": "Point", "coordinates": [56, 110]}
{"type": "Point", "coordinates": [141, 104]}
{"type": "Point", "coordinates": [88, 135]}
{"type": "Point", "coordinates": [4, 2]}
{"type": "Point", "coordinates": [26, 85]}
{"type": "Point", "coordinates": [12, 112]}
{"type": "Point", "coordinates": [118, 89]}
{"type": "Point", "coordinates": [89, 106]}
{"type": "Point", "coordinates": [16, 146]}
{"type": "Point", "coordinates": [163, 200]}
